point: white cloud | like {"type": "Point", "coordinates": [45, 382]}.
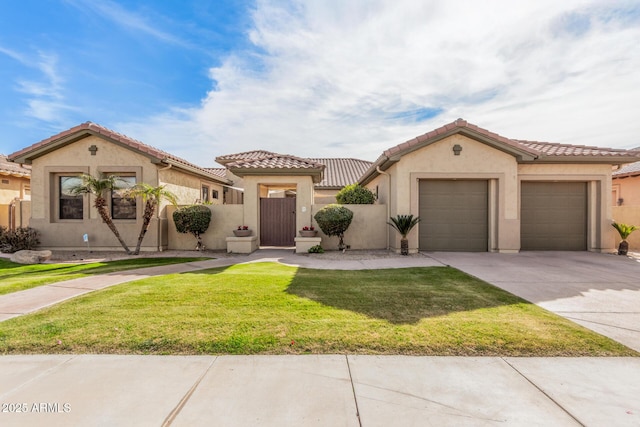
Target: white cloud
{"type": "Point", "coordinates": [335, 78]}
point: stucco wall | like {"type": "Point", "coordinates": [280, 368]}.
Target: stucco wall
{"type": "Point", "coordinates": [476, 161]}
{"type": "Point", "coordinates": [17, 187]}
{"type": "Point", "coordinates": [75, 159]}
{"type": "Point", "coordinates": [322, 197]}
{"type": "Point", "coordinates": [480, 161]}
{"type": "Point", "coordinates": [368, 229]}
{"type": "Point", "coordinates": [628, 189]}
{"type": "Point", "coordinates": [628, 215]}
{"type": "Point", "coordinates": [224, 219]}
{"type": "Point", "coordinates": [303, 186]}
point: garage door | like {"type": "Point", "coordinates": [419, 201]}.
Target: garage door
{"type": "Point", "coordinates": [454, 215]}
{"type": "Point", "coordinates": [553, 216]}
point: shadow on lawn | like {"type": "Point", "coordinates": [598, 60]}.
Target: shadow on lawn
{"type": "Point", "coordinates": [400, 296]}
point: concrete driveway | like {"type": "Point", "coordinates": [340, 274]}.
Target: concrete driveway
{"type": "Point", "coordinates": [598, 291]}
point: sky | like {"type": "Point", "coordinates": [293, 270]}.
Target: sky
{"type": "Point", "coordinates": [319, 78]}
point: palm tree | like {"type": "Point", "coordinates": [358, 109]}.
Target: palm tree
{"type": "Point", "coordinates": [98, 187]}
{"type": "Point", "coordinates": [403, 225]}
{"type": "Point", "coordinates": [152, 196]}
{"type": "Point", "coordinates": [624, 230]}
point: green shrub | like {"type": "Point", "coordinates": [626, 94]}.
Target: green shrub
{"type": "Point", "coordinates": [193, 219]}
{"type": "Point", "coordinates": [22, 238]}
{"type": "Point", "coordinates": [317, 249]}
{"type": "Point", "coordinates": [334, 220]}
{"type": "Point", "coordinates": [355, 194]}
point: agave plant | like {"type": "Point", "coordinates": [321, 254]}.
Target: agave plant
{"type": "Point", "coordinates": [403, 224]}
{"type": "Point", "coordinates": [624, 230]}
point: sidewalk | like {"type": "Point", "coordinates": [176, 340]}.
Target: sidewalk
{"type": "Point", "coordinates": [326, 390]}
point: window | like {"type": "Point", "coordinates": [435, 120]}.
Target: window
{"type": "Point", "coordinates": [214, 194]}
{"type": "Point", "coordinates": [70, 205]}
{"type": "Point", "coordinates": [123, 207]}
{"type": "Point", "coordinates": [205, 194]}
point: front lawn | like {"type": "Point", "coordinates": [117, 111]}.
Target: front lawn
{"type": "Point", "coordinates": [268, 308]}
{"type": "Point", "coordinates": [17, 277]}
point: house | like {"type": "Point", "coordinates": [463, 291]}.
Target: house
{"type": "Point", "coordinates": [478, 191]}
{"type": "Point", "coordinates": [473, 189]}
{"type": "Point", "coordinates": [625, 198]}
{"type": "Point", "coordinates": [63, 218]}
{"type": "Point", "coordinates": [15, 186]}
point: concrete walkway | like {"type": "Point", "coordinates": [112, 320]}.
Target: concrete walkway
{"type": "Point", "coordinates": [317, 390]}
{"type": "Point", "coordinates": [348, 390]}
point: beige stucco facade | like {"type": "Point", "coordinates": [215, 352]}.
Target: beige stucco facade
{"type": "Point", "coordinates": [95, 155]}
{"type": "Point", "coordinates": [12, 190]}
{"type": "Point", "coordinates": [626, 191]}
{"type": "Point", "coordinates": [398, 186]}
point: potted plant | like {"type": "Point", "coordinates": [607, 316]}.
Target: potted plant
{"type": "Point", "coordinates": [403, 225]}
{"type": "Point", "coordinates": [624, 230]}
{"type": "Point", "coordinates": [242, 231]}
{"type": "Point", "coordinates": [308, 232]}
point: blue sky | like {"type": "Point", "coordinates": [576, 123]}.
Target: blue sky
{"type": "Point", "coordinates": [319, 78]}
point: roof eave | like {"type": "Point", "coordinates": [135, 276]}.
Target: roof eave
{"type": "Point", "coordinates": [609, 160]}
{"type": "Point", "coordinates": [195, 171]}
{"type": "Point", "coordinates": [315, 174]}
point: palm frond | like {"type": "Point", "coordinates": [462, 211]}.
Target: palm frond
{"type": "Point", "coordinates": [624, 229]}
{"type": "Point", "coordinates": [403, 224]}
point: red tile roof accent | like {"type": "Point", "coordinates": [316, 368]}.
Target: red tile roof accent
{"type": "Point", "coordinates": [341, 172]}
{"type": "Point", "coordinates": [533, 147]}
{"type": "Point", "coordinates": [8, 168]}
{"type": "Point", "coordinates": [555, 149]}
{"type": "Point", "coordinates": [247, 155]}
{"type": "Point", "coordinates": [94, 128]}
{"type": "Point", "coordinates": [632, 169]}
{"type": "Point", "coordinates": [277, 161]}
{"type": "Point", "coordinates": [221, 172]}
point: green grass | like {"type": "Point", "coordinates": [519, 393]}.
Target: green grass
{"type": "Point", "coordinates": [268, 308]}
{"type": "Point", "coordinates": [17, 277]}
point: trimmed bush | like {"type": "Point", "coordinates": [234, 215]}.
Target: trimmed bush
{"type": "Point", "coordinates": [193, 219]}
{"type": "Point", "coordinates": [355, 194]}
{"type": "Point", "coordinates": [22, 238]}
{"type": "Point", "coordinates": [317, 249]}
{"type": "Point", "coordinates": [334, 220]}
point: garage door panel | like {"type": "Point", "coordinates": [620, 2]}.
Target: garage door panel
{"type": "Point", "coordinates": [553, 216]}
{"type": "Point", "coordinates": [454, 215]}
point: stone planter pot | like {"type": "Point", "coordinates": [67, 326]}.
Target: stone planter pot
{"type": "Point", "coordinates": [242, 233]}
{"type": "Point", "coordinates": [308, 233]}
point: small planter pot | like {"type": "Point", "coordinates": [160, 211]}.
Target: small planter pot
{"type": "Point", "coordinates": [242, 233]}
{"type": "Point", "coordinates": [308, 233]}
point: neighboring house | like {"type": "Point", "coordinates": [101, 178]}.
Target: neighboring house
{"type": "Point", "coordinates": [474, 190]}
{"type": "Point", "coordinates": [478, 191]}
{"type": "Point", "coordinates": [626, 185]}
{"type": "Point", "coordinates": [625, 198]}
{"type": "Point", "coordinates": [62, 218]}
{"type": "Point", "coordinates": [15, 182]}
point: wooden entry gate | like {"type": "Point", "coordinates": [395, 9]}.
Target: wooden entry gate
{"type": "Point", "coordinates": [277, 221]}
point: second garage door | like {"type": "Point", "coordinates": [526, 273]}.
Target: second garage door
{"type": "Point", "coordinates": [454, 215]}
{"type": "Point", "coordinates": [553, 216]}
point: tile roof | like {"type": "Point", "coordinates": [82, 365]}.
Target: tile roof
{"type": "Point", "coordinates": [8, 168]}
{"type": "Point", "coordinates": [555, 149]}
{"type": "Point", "coordinates": [341, 172]}
{"type": "Point", "coordinates": [276, 161]}
{"type": "Point", "coordinates": [450, 128]}
{"type": "Point", "coordinates": [247, 155]}
{"type": "Point", "coordinates": [221, 172]}
{"type": "Point", "coordinates": [52, 143]}
{"type": "Point", "coordinates": [632, 169]}
{"type": "Point", "coordinates": [524, 151]}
